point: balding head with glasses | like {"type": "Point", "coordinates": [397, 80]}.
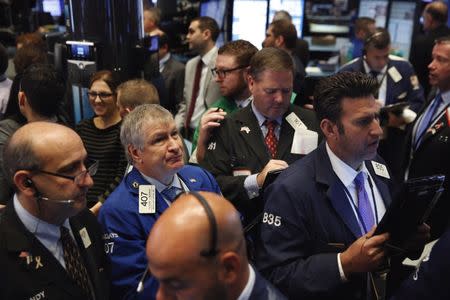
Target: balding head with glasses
{"type": "Point", "coordinates": [205, 257]}
{"type": "Point", "coordinates": [55, 236]}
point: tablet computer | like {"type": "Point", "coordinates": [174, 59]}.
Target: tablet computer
{"type": "Point", "coordinates": [411, 207]}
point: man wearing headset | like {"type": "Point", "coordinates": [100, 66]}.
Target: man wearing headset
{"type": "Point", "coordinates": [50, 244]}
{"type": "Point", "coordinates": [154, 148]}
{"type": "Point", "coordinates": [205, 257]}
{"type": "Point", "coordinates": [397, 82]}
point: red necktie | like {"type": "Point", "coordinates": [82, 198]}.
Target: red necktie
{"type": "Point", "coordinates": [271, 139]}
{"type": "Point", "coordinates": [195, 90]}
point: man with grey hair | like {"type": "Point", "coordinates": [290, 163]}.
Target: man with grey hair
{"type": "Point", "coordinates": [264, 136]}
{"type": "Point", "coordinates": [154, 148]}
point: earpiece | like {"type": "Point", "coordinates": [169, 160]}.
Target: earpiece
{"type": "Point", "coordinates": [28, 182]}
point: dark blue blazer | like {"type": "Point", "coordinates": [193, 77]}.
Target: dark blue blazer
{"type": "Point", "coordinates": [400, 91]}
{"type": "Point", "coordinates": [263, 290]}
{"type": "Point", "coordinates": [431, 280]}
{"type": "Point", "coordinates": [307, 221]}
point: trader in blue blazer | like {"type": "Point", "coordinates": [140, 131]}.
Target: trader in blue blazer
{"type": "Point", "coordinates": [320, 213]}
{"type": "Point", "coordinates": [155, 150]}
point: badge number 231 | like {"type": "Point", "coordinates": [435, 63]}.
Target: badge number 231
{"type": "Point", "coordinates": [271, 219]}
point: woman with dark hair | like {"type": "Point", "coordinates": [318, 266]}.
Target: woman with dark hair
{"type": "Point", "coordinates": [101, 137]}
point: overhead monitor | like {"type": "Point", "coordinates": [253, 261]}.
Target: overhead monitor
{"type": "Point", "coordinates": [249, 21]}
{"type": "Point", "coordinates": [401, 25]}
{"type": "Point", "coordinates": [375, 9]}
{"type": "Point", "coordinates": [216, 10]}
{"type": "Point", "coordinates": [53, 7]}
{"type": "Point", "coordinates": [295, 9]}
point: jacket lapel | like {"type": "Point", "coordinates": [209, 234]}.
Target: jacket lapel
{"type": "Point", "coordinates": [251, 133]}
{"type": "Point", "coordinates": [335, 191]}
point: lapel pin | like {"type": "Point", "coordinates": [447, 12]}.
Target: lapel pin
{"type": "Point", "coordinates": [192, 180]}
{"type": "Point", "coordinates": [37, 259]}
{"type": "Point", "coordinates": [135, 184]}
{"type": "Point", "coordinates": [246, 129]}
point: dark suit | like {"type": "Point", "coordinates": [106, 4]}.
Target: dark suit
{"type": "Point", "coordinates": [19, 280]}
{"type": "Point", "coordinates": [173, 74]}
{"type": "Point", "coordinates": [431, 280]}
{"type": "Point", "coordinates": [420, 56]}
{"type": "Point", "coordinates": [263, 290]}
{"type": "Point", "coordinates": [238, 144]}
{"type": "Point", "coordinates": [311, 221]}
{"type": "Point", "coordinates": [431, 157]}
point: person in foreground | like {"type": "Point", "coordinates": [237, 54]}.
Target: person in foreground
{"type": "Point", "coordinates": [50, 244]}
{"type": "Point", "coordinates": [205, 257]}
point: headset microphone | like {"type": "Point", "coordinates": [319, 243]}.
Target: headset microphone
{"type": "Point", "coordinates": [38, 195]}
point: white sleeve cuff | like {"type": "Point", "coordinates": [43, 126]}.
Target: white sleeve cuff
{"type": "Point", "coordinates": [251, 186]}
{"type": "Point", "coordinates": [341, 271]}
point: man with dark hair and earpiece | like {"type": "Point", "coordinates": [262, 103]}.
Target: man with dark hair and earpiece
{"type": "Point", "coordinates": [5, 83]}
{"type": "Point", "coordinates": [51, 246]}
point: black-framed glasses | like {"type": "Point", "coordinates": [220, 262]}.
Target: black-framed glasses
{"type": "Point", "coordinates": [103, 96]}
{"type": "Point", "coordinates": [222, 73]}
{"type": "Point", "coordinates": [91, 169]}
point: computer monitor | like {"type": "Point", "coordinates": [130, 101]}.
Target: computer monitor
{"type": "Point", "coordinates": [295, 9]}
{"type": "Point", "coordinates": [375, 9]}
{"type": "Point", "coordinates": [401, 26]}
{"type": "Point", "coordinates": [54, 7]}
{"type": "Point", "coordinates": [216, 10]}
{"type": "Point", "coordinates": [249, 21]}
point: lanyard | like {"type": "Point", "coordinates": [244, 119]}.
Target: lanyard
{"type": "Point", "coordinates": [358, 215]}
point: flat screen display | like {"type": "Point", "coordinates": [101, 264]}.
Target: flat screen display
{"type": "Point", "coordinates": [295, 9]}
{"type": "Point", "coordinates": [52, 6]}
{"type": "Point", "coordinates": [216, 10]}
{"type": "Point", "coordinates": [249, 21]}
{"type": "Point", "coordinates": [374, 9]}
{"type": "Point", "coordinates": [400, 26]}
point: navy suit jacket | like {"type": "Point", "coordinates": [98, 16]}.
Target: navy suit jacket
{"type": "Point", "coordinates": [263, 290]}
{"type": "Point", "coordinates": [307, 221]}
{"type": "Point", "coordinates": [400, 91]}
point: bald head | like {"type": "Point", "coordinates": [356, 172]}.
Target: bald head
{"type": "Point", "coordinates": [187, 219]}
{"type": "Point", "coordinates": [435, 15]}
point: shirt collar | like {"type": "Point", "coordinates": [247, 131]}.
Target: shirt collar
{"type": "Point", "coordinates": [343, 171]}
{"type": "Point", "coordinates": [243, 103]}
{"type": "Point", "coordinates": [161, 186]}
{"type": "Point", "coordinates": [163, 61]}
{"type": "Point", "coordinates": [261, 118]}
{"type": "Point", "coordinates": [247, 291]}
{"type": "Point", "coordinates": [207, 58]}
{"type": "Point", "coordinates": [37, 226]}
{"type": "Point", "coordinates": [367, 69]}
{"type": "Point", "coordinates": [445, 97]}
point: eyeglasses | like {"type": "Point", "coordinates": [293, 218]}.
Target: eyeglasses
{"type": "Point", "coordinates": [223, 73]}
{"type": "Point", "coordinates": [103, 96]}
{"type": "Point", "coordinates": [91, 169]}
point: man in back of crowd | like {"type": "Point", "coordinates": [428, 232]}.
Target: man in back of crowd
{"type": "Point", "coordinates": [154, 148]}
{"type": "Point", "coordinates": [200, 89]}
{"type": "Point", "coordinates": [41, 94]}
{"type": "Point", "coordinates": [435, 26]}
{"type": "Point", "coordinates": [261, 137]}
{"type": "Point", "coordinates": [51, 246]}
{"type": "Point", "coordinates": [152, 17]}
{"type": "Point", "coordinates": [205, 256]}
{"type": "Point", "coordinates": [5, 83]}
{"type": "Point", "coordinates": [363, 28]}
{"type": "Point", "coordinates": [173, 73]}
{"type": "Point", "coordinates": [282, 34]}
{"type": "Point", "coordinates": [231, 71]}
{"type": "Point", "coordinates": [135, 92]}
{"type": "Point", "coordinates": [397, 83]}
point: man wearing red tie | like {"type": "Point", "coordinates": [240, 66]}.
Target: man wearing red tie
{"type": "Point", "coordinates": [428, 143]}
{"type": "Point", "coordinates": [268, 134]}
{"type": "Point", "coordinates": [200, 89]}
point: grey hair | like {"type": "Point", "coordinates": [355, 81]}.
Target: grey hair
{"type": "Point", "coordinates": [19, 154]}
{"type": "Point", "coordinates": [135, 124]}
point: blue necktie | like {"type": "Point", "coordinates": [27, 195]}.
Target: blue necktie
{"type": "Point", "coordinates": [427, 119]}
{"type": "Point", "coordinates": [364, 207]}
{"type": "Point", "coordinates": [170, 193]}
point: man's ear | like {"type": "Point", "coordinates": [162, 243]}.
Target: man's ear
{"type": "Point", "coordinates": [231, 265]}
{"type": "Point", "coordinates": [250, 83]}
{"type": "Point", "coordinates": [206, 34]}
{"type": "Point", "coordinates": [134, 153]}
{"type": "Point", "coordinates": [23, 183]}
{"type": "Point", "coordinates": [330, 129]}
{"type": "Point", "coordinates": [22, 98]}
{"type": "Point", "coordinates": [279, 41]}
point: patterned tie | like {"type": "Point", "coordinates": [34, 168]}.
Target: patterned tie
{"type": "Point", "coordinates": [271, 139]}
{"type": "Point", "coordinates": [74, 263]}
{"type": "Point", "coordinates": [364, 207]}
{"type": "Point", "coordinates": [427, 119]}
{"type": "Point", "coordinates": [171, 193]}
{"type": "Point", "coordinates": [374, 75]}
{"type": "Point", "coordinates": [195, 90]}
